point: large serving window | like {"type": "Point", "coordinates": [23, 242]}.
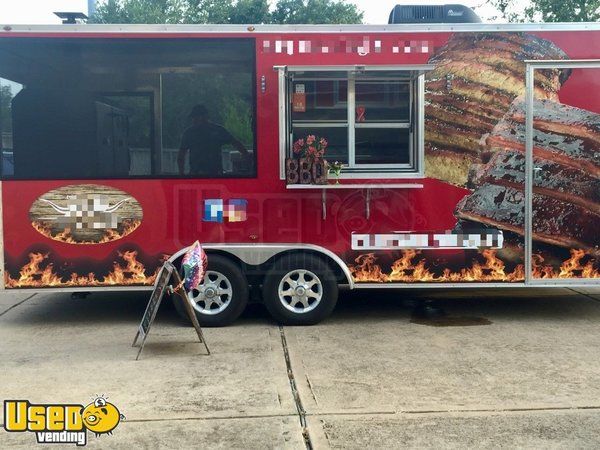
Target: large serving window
{"type": "Point", "coordinates": [371, 117]}
{"type": "Point", "coordinates": [119, 108]}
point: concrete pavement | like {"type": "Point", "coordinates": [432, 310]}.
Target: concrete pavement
{"type": "Point", "coordinates": [366, 378]}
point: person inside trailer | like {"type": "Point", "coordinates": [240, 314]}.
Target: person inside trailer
{"type": "Point", "coordinates": [204, 140]}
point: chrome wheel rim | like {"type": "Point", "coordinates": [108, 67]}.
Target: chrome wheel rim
{"type": "Point", "coordinates": [213, 295]}
{"type": "Point", "coordinates": [300, 291]}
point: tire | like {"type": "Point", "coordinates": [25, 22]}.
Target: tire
{"type": "Point", "coordinates": [224, 274]}
{"type": "Point", "coordinates": [308, 306]}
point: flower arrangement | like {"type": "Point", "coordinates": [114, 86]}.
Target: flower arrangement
{"type": "Point", "coordinates": [312, 147]}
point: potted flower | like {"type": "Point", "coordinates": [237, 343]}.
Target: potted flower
{"type": "Point", "coordinates": [335, 168]}
{"type": "Point", "coordinates": [311, 148]}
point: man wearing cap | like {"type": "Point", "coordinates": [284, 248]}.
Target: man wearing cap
{"type": "Point", "coordinates": [205, 140]}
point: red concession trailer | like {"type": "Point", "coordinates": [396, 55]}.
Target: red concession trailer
{"type": "Point", "coordinates": [469, 156]}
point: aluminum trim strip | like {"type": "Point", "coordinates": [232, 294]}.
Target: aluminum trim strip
{"type": "Point", "coordinates": [561, 63]}
{"type": "Point", "coordinates": [2, 266]}
{"type": "Point", "coordinates": [356, 186]}
{"type": "Point", "coordinates": [281, 87]}
{"type": "Point", "coordinates": [529, 93]}
{"type": "Point", "coordinates": [421, 126]}
{"type": "Point", "coordinates": [250, 29]}
{"type": "Point", "coordinates": [531, 67]}
{"type": "Point", "coordinates": [363, 67]}
{"type": "Point", "coordinates": [417, 285]}
{"type": "Point", "coordinates": [82, 289]}
{"type": "Point", "coordinates": [351, 102]}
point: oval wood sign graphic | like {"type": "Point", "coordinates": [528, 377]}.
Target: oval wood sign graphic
{"type": "Point", "coordinates": [85, 214]}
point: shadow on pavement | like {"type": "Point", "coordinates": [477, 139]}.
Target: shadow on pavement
{"type": "Point", "coordinates": [353, 306]}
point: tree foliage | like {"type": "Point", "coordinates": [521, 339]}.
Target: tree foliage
{"type": "Point", "coordinates": [315, 11]}
{"type": "Point", "coordinates": [548, 10]}
{"type": "Point", "coordinates": [225, 11]}
{"type": "Point", "coordinates": [5, 108]}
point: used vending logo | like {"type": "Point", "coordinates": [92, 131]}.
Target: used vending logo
{"type": "Point", "coordinates": [61, 423]}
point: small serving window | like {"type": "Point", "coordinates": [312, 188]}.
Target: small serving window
{"type": "Point", "coordinates": [371, 117]}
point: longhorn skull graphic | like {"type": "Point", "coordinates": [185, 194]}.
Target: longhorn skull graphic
{"type": "Point", "coordinates": [89, 212]}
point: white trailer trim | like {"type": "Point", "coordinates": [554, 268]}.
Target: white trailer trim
{"type": "Point", "coordinates": [304, 29]}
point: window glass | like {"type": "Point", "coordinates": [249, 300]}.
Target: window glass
{"type": "Point", "coordinates": [382, 146]}
{"type": "Point", "coordinates": [8, 90]}
{"type": "Point", "coordinates": [124, 133]}
{"type": "Point", "coordinates": [227, 97]}
{"type": "Point", "coordinates": [117, 108]}
{"type": "Point", "coordinates": [382, 101]}
{"type": "Point", "coordinates": [320, 100]}
{"type": "Point", "coordinates": [336, 137]}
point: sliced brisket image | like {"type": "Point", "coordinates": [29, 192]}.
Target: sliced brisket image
{"type": "Point", "coordinates": [476, 79]}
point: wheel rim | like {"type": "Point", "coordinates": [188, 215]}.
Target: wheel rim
{"type": "Point", "coordinates": [213, 295]}
{"type": "Point", "coordinates": [300, 291]}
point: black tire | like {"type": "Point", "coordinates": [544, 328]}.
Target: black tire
{"type": "Point", "coordinates": [238, 299]}
{"type": "Point", "coordinates": [283, 270]}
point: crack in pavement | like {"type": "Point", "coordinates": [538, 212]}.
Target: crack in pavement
{"type": "Point", "coordinates": [232, 417]}
{"type": "Point", "coordinates": [368, 413]}
{"type": "Point", "coordinates": [454, 411]}
{"type": "Point", "coordinates": [584, 294]}
{"type": "Point", "coordinates": [295, 393]}
{"type": "Point", "coordinates": [17, 304]}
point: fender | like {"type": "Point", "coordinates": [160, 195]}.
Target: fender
{"type": "Point", "coordinates": [256, 254]}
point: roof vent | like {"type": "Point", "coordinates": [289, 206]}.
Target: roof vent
{"type": "Point", "coordinates": [433, 14]}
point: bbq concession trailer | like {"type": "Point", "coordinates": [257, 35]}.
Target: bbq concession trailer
{"type": "Point", "coordinates": [470, 157]}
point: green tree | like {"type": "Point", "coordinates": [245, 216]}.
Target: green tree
{"type": "Point", "coordinates": [161, 11]}
{"type": "Point", "coordinates": [548, 10]}
{"type": "Point", "coordinates": [225, 11]}
{"type": "Point", "coordinates": [5, 108]}
{"type": "Point", "coordinates": [250, 11]}
{"type": "Point", "coordinates": [315, 11]}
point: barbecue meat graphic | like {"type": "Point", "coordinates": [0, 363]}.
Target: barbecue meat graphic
{"type": "Point", "coordinates": [565, 183]}
{"type": "Point", "coordinates": [566, 200]}
{"type": "Point", "coordinates": [554, 221]}
{"type": "Point", "coordinates": [564, 134]}
{"type": "Point", "coordinates": [477, 77]}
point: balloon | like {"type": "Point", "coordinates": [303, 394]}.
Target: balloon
{"type": "Point", "coordinates": [194, 266]}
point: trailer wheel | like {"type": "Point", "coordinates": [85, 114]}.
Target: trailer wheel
{"type": "Point", "coordinates": [300, 289]}
{"type": "Point", "coordinates": [222, 295]}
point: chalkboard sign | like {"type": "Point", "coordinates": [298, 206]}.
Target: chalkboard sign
{"type": "Point", "coordinates": [167, 272]}
{"type": "Point", "coordinates": [160, 287]}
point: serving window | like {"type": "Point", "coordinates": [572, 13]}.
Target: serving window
{"type": "Point", "coordinates": [371, 118]}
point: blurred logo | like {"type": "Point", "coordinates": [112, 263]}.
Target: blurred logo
{"type": "Point", "coordinates": [216, 210]}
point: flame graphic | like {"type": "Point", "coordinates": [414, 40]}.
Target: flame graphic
{"type": "Point", "coordinates": [45, 228]}
{"type": "Point", "coordinates": [408, 269]}
{"type": "Point", "coordinates": [33, 274]}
